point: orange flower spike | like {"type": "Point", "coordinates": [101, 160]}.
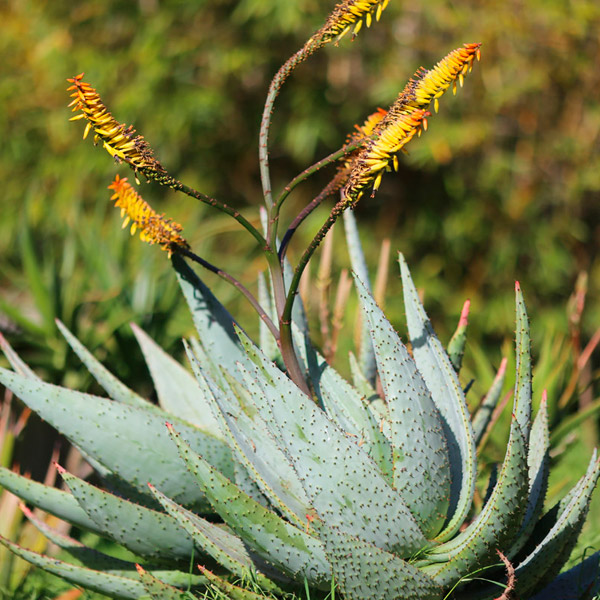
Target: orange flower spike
{"type": "Point", "coordinates": [154, 228]}
{"type": "Point", "coordinates": [391, 135]}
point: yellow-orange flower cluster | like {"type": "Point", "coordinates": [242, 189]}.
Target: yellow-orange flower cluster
{"type": "Point", "coordinates": [120, 141]}
{"type": "Point", "coordinates": [406, 117]}
{"type": "Point", "coordinates": [349, 15]}
{"type": "Point", "coordinates": [430, 85]}
{"type": "Point", "coordinates": [154, 228]}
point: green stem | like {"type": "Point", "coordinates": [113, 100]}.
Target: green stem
{"type": "Point", "coordinates": [233, 281]}
{"type": "Point", "coordinates": [286, 346]}
{"type": "Point", "coordinates": [285, 319]}
{"type": "Point", "coordinates": [177, 185]}
{"type": "Point", "coordinates": [265, 124]}
{"type": "Point", "coordinates": [343, 151]}
{"type": "Point", "coordinates": [333, 186]}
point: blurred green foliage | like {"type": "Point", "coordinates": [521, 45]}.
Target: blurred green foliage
{"type": "Point", "coordinates": [504, 185]}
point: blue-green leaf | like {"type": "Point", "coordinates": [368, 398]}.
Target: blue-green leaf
{"type": "Point", "coordinates": [226, 548]}
{"type": "Point", "coordinates": [292, 550]}
{"type": "Point", "coordinates": [117, 586]}
{"type": "Point", "coordinates": [366, 355]}
{"type": "Point", "coordinates": [113, 386]}
{"type": "Point", "coordinates": [129, 441]}
{"type": "Point", "coordinates": [144, 531]}
{"type": "Point", "coordinates": [342, 482]}
{"type": "Point", "coordinates": [363, 571]}
{"type": "Point", "coordinates": [61, 504]}
{"type": "Point", "coordinates": [447, 394]}
{"type": "Point", "coordinates": [177, 390]}
{"type": "Point", "coordinates": [546, 560]}
{"type": "Point", "coordinates": [420, 453]}
{"type": "Point", "coordinates": [213, 322]}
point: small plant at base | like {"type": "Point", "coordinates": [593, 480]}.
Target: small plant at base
{"type": "Point", "coordinates": [294, 481]}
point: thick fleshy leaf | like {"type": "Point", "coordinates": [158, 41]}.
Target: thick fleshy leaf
{"type": "Point", "coordinates": [117, 586]}
{"type": "Point", "coordinates": [88, 557]}
{"type": "Point", "coordinates": [458, 341]}
{"type": "Point", "coordinates": [156, 589]}
{"type": "Point", "coordinates": [267, 343]}
{"type": "Point", "coordinates": [366, 355]}
{"type": "Point", "coordinates": [363, 571]}
{"type": "Point", "coordinates": [290, 549]}
{"type": "Point", "coordinates": [342, 482]}
{"type": "Point", "coordinates": [538, 461]}
{"type": "Point", "coordinates": [421, 470]}
{"type": "Point", "coordinates": [231, 591]}
{"type": "Point", "coordinates": [144, 531]}
{"type": "Point", "coordinates": [114, 387]}
{"type": "Point", "coordinates": [542, 565]}
{"type": "Point", "coordinates": [129, 441]}
{"type": "Point", "coordinates": [441, 379]}
{"type": "Point", "coordinates": [61, 504]}
{"type": "Point", "coordinates": [502, 516]}
{"type": "Point", "coordinates": [579, 582]}
{"type": "Point", "coordinates": [484, 413]}
{"type": "Point", "coordinates": [495, 527]}
{"type": "Point", "coordinates": [523, 367]}
{"type": "Point", "coordinates": [177, 390]}
{"type": "Point", "coordinates": [255, 447]}
{"type": "Point", "coordinates": [347, 408]}
{"type": "Point", "coordinates": [224, 547]}
{"type": "Point", "coordinates": [16, 362]}
{"type": "Point", "coordinates": [213, 322]}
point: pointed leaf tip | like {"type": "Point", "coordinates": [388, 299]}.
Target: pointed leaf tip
{"type": "Point", "coordinates": [464, 315]}
{"type": "Point", "coordinates": [517, 286]}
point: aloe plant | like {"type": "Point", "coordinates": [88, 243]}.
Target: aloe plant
{"type": "Point", "coordinates": [264, 473]}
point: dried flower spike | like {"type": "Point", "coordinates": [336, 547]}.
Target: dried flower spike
{"type": "Point", "coordinates": [119, 140]}
{"type": "Point", "coordinates": [154, 228]}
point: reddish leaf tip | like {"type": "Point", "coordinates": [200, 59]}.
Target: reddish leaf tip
{"type": "Point", "coordinates": [464, 315]}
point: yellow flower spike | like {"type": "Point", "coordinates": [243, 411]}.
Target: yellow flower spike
{"type": "Point", "coordinates": [344, 16]}
{"type": "Point", "coordinates": [153, 228]}
{"type": "Point", "coordinates": [431, 85]}
{"type": "Point", "coordinates": [119, 140]}
{"type": "Point", "coordinates": [389, 133]}
{"type": "Point", "coordinates": [390, 136]}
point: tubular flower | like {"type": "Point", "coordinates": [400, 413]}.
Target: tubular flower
{"type": "Point", "coordinates": [154, 228]}
{"type": "Point", "coordinates": [120, 141]}
{"type": "Point", "coordinates": [346, 15]}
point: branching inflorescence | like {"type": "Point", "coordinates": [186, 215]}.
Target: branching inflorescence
{"type": "Point", "coordinates": [369, 151]}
